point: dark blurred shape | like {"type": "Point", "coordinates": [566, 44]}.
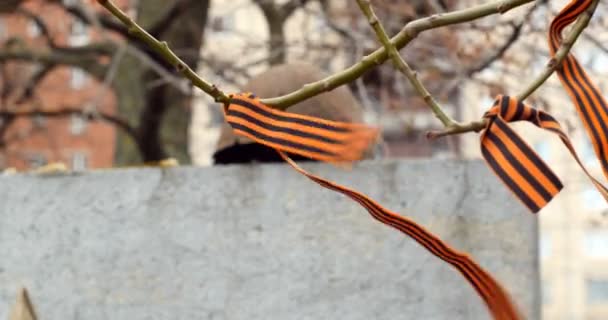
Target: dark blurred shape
{"type": "Point", "coordinates": [251, 153]}
{"type": "Point", "coordinates": [8, 6]}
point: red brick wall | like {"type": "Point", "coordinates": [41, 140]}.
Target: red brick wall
{"type": "Point", "coordinates": [52, 138]}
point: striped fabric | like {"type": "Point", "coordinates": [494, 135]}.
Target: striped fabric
{"type": "Point", "coordinates": [507, 154]}
{"type": "Point", "coordinates": [514, 162]}
{"type": "Point", "coordinates": [336, 142]}
{"type": "Point", "coordinates": [311, 137]}
{"type": "Point", "coordinates": [495, 297]}
{"type": "Point", "coordinates": [590, 104]}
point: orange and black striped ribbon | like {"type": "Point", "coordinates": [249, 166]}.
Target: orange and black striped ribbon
{"type": "Point", "coordinates": [311, 137]}
{"type": "Point", "coordinates": [514, 162]}
{"type": "Point", "coordinates": [334, 141]}
{"type": "Point", "coordinates": [590, 104]}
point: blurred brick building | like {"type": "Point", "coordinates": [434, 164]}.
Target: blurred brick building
{"type": "Point", "coordinates": [28, 142]}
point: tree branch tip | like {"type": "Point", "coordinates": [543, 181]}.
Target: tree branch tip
{"type": "Point", "coordinates": [432, 135]}
{"type": "Point", "coordinates": [502, 8]}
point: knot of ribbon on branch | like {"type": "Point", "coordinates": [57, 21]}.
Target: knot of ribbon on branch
{"type": "Point", "coordinates": [515, 163]}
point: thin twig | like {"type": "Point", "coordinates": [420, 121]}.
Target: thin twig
{"type": "Point", "coordinates": [409, 32]}
{"type": "Point", "coordinates": [163, 49]}
{"type": "Point", "coordinates": [401, 65]}
{"type": "Point", "coordinates": [554, 63]}
{"type": "Point", "coordinates": [581, 23]}
{"type": "Point", "coordinates": [119, 122]}
{"type": "Point", "coordinates": [515, 34]}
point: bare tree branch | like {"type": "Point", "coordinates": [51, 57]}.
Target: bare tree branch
{"type": "Point", "coordinates": [91, 116]}
{"type": "Point", "coordinates": [163, 49]}
{"type": "Point", "coordinates": [409, 32]}
{"type": "Point", "coordinates": [581, 23]}
{"type": "Point", "coordinates": [401, 65]}
{"type": "Point", "coordinates": [40, 24]}
{"type": "Point", "coordinates": [78, 57]}
{"type": "Point", "coordinates": [513, 37]}
{"type": "Point", "coordinates": [168, 18]}
{"type": "Point", "coordinates": [35, 79]}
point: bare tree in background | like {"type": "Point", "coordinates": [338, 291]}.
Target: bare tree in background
{"type": "Point", "coordinates": [154, 103]}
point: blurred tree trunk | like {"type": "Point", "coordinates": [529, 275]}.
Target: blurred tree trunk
{"type": "Point", "coordinates": [161, 112]}
{"type": "Point", "coordinates": [8, 6]}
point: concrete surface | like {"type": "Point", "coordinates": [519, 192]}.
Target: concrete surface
{"type": "Point", "coordinates": [259, 242]}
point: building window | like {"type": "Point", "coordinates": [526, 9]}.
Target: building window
{"type": "Point", "coordinates": [32, 29]}
{"type": "Point", "coordinates": [77, 124]}
{"type": "Point", "coordinates": [544, 246]}
{"type": "Point", "coordinates": [546, 293]}
{"type": "Point", "coordinates": [588, 154]}
{"type": "Point", "coordinates": [593, 200]}
{"type": "Point", "coordinates": [543, 148]}
{"type": "Point", "coordinates": [595, 243]}
{"type": "Point", "coordinates": [319, 23]}
{"type": "Point", "coordinates": [599, 62]}
{"type": "Point", "coordinates": [36, 160]}
{"type": "Point", "coordinates": [79, 161]}
{"type": "Point", "coordinates": [39, 121]}
{"type": "Point", "coordinates": [225, 23]}
{"type": "Point", "coordinates": [78, 78]}
{"type": "Point", "coordinates": [597, 291]}
{"type": "Point", "coordinates": [79, 33]}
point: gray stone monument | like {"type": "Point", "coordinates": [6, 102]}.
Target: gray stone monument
{"type": "Point", "coordinates": [259, 242]}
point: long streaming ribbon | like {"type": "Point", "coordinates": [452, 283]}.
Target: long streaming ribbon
{"type": "Point", "coordinates": [590, 105]}
{"type": "Point", "coordinates": [337, 142]}
{"type": "Point", "coordinates": [513, 161]}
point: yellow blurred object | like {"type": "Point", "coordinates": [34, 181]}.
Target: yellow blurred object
{"type": "Point", "coordinates": [51, 168]}
{"type": "Point", "coordinates": [164, 163]}
{"type": "Point", "coordinates": [9, 171]}
{"type": "Point", "coordinates": [167, 163]}
{"type": "Point", "coordinates": [23, 308]}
